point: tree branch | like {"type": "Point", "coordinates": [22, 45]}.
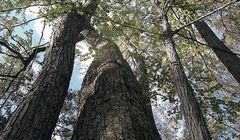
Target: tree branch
{"type": "Point", "coordinates": [222, 122]}
{"type": "Point", "coordinates": [12, 50]}
{"type": "Point", "coordinates": [8, 76]}
{"type": "Point", "coordinates": [25, 7]}
{"type": "Point", "coordinates": [14, 77]}
{"type": "Point", "coordinates": [13, 56]}
{"type": "Point", "coordinates": [207, 44]}
{"type": "Point", "coordinates": [204, 16]}
{"type": "Point", "coordinates": [27, 61]}
{"type": "Point", "coordinates": [29, 21]}
{"type": "Point", "coordinates": [128, 26]}
{"type": "Point", "coordinates": [33, 54]}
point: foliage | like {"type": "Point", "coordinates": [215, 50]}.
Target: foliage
{"type": "Point", "coordinates": [135, 26]}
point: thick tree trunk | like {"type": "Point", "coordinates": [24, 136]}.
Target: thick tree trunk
{"type": "Point", "coordinates": [112, 104]}
{"type": "Point", "coordinates": [224, 54]}
{"type": "Point", "coordinates": [192, 113]}
{"type": "Point", "coordinates": [36, 116]}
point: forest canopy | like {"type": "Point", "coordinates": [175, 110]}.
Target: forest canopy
{"type": "Point", "coordinates": [67, 67]}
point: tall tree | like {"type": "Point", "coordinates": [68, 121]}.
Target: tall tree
{"type": "Point", "coordinates": [37, 114]}
{"type": "Point", "coordinates": [143, 79]}
{"type": "Point", "coordinates": [224, 54]}
{"type": "Point", "coordinates": [112, 103]}
{"type": "Point", "coordinates": [193, 116]}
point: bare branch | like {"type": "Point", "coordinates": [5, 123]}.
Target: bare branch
{"type": "Point", "coordinates": [33, 55]}
{"type": "Point", "coordinates": [12, 50]}
{"type": "Point", "coordinates": [29, 21]}
{"type": "Point", "coordinates": [13, 56]}
{"type": "Point", "coordinates": [8, 76]}
{"type": "Point", "coordinates": [44, 26]}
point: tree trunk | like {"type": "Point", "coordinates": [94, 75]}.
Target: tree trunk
{"type": "Point", "coordinates": [224, 54]}
{"type": "Point", "coordinates": [192, 113]}
{"type": "Point", "coordinates": [112, 104]}
{"type": "Point", "coordinates": [143, 79]}
{"type": "Point", "coordinates": [142, 74]}
{"type": "Point", "coordinates": [36, 116]}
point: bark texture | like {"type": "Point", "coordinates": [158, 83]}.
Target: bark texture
{"type": "Point", "coordinates": [224, 54]}
{"type": "Point", "coordinates": [112, 104]}
{"type": "Point", "coordinates": [192, 113]}
{"type": "Point", "coordinates": [36, 116]}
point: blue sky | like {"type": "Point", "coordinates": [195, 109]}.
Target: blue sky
{"type": "Point", "coordinates": [76, 81]}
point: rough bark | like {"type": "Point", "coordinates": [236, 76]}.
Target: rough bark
{"type": "Point", "coordinates": [36, 116]}
{"type": "Point", "coordinates": [3, 122]}
{"type": "Point", "coordinates": [224, 54]}
{"type": "Point", "coordinates": [112, 104]}
{"type": "Point", "coordinates": [193, 116]}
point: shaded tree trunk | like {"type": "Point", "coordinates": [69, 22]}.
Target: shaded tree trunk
{"type": "Point", "coordinates": [36, 116]}
{"type": "Point", "coordinates": [112, 104]}
{"type": "Point", "coordinates": [143, 79]}
{"type": "Point", "coordinates": [142, 74]}
{"type": "Point", "coordinates": [193, 116]}
{"type": "Point", "coordinates": [3, 122]}
{"type": "Point", "coordinates": [224, 54]}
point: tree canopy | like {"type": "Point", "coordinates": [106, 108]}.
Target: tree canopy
{"type": "Point", "coordinates": [136, 27]}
